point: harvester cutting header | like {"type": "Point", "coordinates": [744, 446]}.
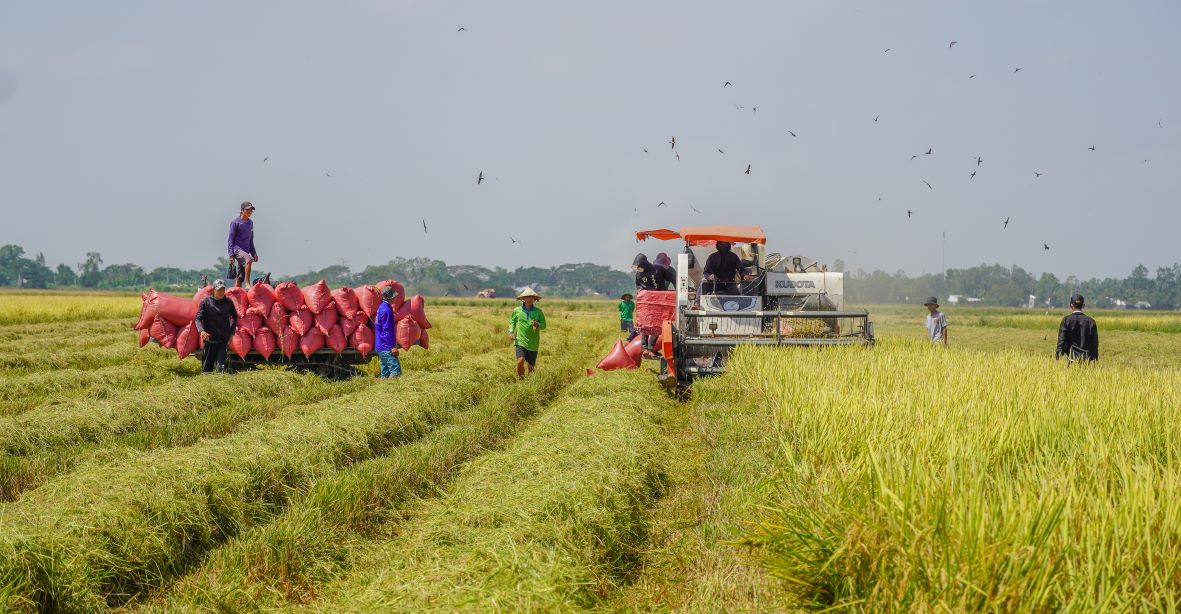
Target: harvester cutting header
{"type": "Point", "coordinates": [731, 291]}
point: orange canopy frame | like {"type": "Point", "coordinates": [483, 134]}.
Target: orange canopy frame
{"type": "Point", "coordinates": [731, 234]}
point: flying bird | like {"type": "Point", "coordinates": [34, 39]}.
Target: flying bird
{"type": "Point", "coordinates": [875, 117]}
{"type": "Point", "coordinates": [971, 76]}
{"type": "Point", "coordinates": [739, 108]}
{"type": "Point", "coordinates": [1146, 160]}
{"type": "Point", "coordinates": [678, 156]}
{"type": "Point", "coordinates": [913, 157]}
{"type": "Point", "coordinates": [908, 213]}
{"type": "Point", "coordinates": [327, 174]}
{"type": "Point", "coordinates": [886, 50]}
{"type": "Point", "coordinates": [462, 29]}
{"type": "Point", "coordinates": [265, 158]}
{"type": "Point", "coordinates": [1092, 148]}
{"type": "Point", "coordinates": [645, 149]}
{"type": "Point", "coordinates": [515, 241]}
{"type": "Point", "coordinates": [791, 133]}
{"type": "Point", "coordinates": [673, 142]}
{"type": "Point", "coordinates": [424, 227]}
{"type": "Point", "coordinates": [1006, 224]}
{"type": "Point", "coordinates": [952, 44]}
{"type": "Point", "coordinates": [929, 150]}
{"type": "Point", "coordinates": [928, 184]}
{"type": "Point", "coordinates": [720, 150]}
{"type": "Point", "coordinates": [1016, 70]}
{"type": "Point", "coordinates": [693, 209]}
{"type": "Point", "coordinates": [979, 160]}
{"type": "Point", "coordinates": [1037, 174]}
{"type": "Point", "coordinates": [754, 109]}
{"type": "Point", "coordinates": [972, 176]}
{"type": "Point", "coordinates": [660, 204]}
{"type": "Point", "coordinates": [1046, 247]}
{"type": "Point", "coordinates": [726, 84]}
{"type": "Point", "coordinates": [480, 178]}
{"type": "Point", "coordinates": [1159, 123]}
{"type": "Point", "coordinates": [747, 169]}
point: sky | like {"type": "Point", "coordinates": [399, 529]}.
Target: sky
{"type": "Point", "coordinates": [136, 128]}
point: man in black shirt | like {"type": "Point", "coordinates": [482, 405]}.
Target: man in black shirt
{"type": "Point", "coordinates": [721, 269]}
{"type": "Point", "coordinates": [1078, 338]}
{"type": "Point", "coordinates": [216, 321]}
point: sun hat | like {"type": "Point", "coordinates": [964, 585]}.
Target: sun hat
{"type": "Point", "coordinates": [387, 293]}
{"type": "Point", "coordinates": [529, 292]}
{"type": "Point", "coordinates": [219, 284]}
{"type": "Point", "coordinates": [626, 295]}
{"type": "Point", "coordinates": [931, 300]}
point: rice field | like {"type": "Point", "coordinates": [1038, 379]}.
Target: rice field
{"type": "Point", "coordinates": [902, 478]}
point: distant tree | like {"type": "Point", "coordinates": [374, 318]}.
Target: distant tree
{"type": "Point", "coordinates": [91, 270]}
{"type": "Point", "coordinates": [838, 265]}
{"type": "Point", "coordinates": [65, 276]}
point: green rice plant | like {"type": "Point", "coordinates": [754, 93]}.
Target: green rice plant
{"type": "Point", "coordinates": [552, 523]}
{"type": "Point", "coordinates": [282, 562]}
{"type": "Point", "coordinates": [37, 307]}
{"type": "Point", "coordinates": [911, 478]}
{"type": "Point", "coordinates": [109, 531]}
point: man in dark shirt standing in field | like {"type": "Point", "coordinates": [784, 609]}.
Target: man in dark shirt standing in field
{"type": "Point", "coordinates": [1078, 338]}
{"type": "Point", "coordinates": [216, 320]}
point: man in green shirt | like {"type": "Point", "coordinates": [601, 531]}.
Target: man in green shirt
{"type": "Point", "coordinates": [524, 328]}
{"type": "Point", "coordinates": [627, 316]}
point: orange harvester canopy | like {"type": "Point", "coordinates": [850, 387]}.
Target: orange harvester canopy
{"type": "Point", "coordinates": [732, 234]}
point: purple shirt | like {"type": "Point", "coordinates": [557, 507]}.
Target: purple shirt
{"type": "Point", "coordinates": [383, 328]}
{"type": "Point", "coordinates": [242, 236]}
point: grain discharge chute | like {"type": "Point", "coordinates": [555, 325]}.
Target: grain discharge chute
{"type": "Point", "coordinates": [775, 301]}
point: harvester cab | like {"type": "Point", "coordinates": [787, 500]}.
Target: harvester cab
{"type": "Point", "coordinates": [774, 301]}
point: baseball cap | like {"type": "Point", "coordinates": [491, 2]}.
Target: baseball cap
{"type": "Point", "coordinates": [219, 284]}
{"type": "Point", "coordinates": [247, 205]}
{"type": "Point", "coordinates": [1077, 299]}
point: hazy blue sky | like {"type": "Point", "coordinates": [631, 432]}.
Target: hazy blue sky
{"type": "Point", "coordinates": [135, 128]}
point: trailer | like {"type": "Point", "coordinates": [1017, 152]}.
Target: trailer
{"type": "Point", "coordinates": [323, 362]}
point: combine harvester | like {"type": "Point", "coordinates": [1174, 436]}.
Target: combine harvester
{"type": "Point", "coordinates": [781, 301]}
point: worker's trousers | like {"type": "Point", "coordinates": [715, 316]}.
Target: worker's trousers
{"type": "Point", "coordinates": [390, 365]}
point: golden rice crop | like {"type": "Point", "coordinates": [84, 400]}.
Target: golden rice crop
{"type": "Point", "coordinates": [913, 478]}
{"type": "Point", "coordinates": [35, 307]}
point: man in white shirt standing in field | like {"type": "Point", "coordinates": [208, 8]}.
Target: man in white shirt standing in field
{"type": "Point", "coordinates": [936, 322]}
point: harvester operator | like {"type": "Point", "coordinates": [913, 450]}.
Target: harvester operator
{"type": "Point", "coordinates": [721, 270]}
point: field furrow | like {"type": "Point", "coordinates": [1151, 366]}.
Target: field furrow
{"type": "Point", "coordinates": [20, 393]}
{"type": "Point", "coordinates": [552, 523]}
{"type": "Point", "coordinates": [282, 562]}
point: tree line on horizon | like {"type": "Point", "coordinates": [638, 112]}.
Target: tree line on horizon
{"type": "Point", "coordinates": [993, 284]}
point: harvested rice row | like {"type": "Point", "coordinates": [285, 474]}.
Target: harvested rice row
{"type": "Point", "coordinates": [42, 443]}
{"type": "Point", "coordinates": [552, 523]}
{"type": "Point", "coordinates": [106, 532]}
{"type": "Point", "coordinates": [65, 341]}
{"type": "Point", "coordinates": [113, 353]}
{"type": "Point", "coordinates": [281, 563]}
{"type": "Point", "coordinates": [30, 333]}
{"type": "Point", "coordinates": [20, 393]}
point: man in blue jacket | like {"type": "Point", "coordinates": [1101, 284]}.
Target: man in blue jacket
{"type": "Point", "coordinates": [385, 341]}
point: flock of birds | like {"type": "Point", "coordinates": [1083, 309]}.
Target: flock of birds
{"type": "Point", "coordinates": [480, 179]}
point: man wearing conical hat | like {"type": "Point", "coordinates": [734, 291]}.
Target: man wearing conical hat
{"type": "Point", "coordinates": [524, 329]}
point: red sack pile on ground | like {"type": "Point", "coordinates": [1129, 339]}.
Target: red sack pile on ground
{"type": "Point", "coordinates": [202, 294]}
{"type": "Point", "coordinates": [349, 325]}
{"type": "Point", "coordinates": [302, 320]}
{"type": "Point", "coordinates": [241, 342]}
{"type": "Point", "coordinates": [277, 318]}
{"type": "Point", "coordinates": [288, 295]}
{"type": "Point", "coordinates": [635, 349]}
{"type": "Point", "coordinates": [327, 318]}
{"type": "Point", "coordinates": [617, 359]}
{"type": "Point", "coordinates": [317, 296]}
{"type": "Point", "coordinates": [265, 342]}
{"type": "Point", "coordinates": [653, 307]}
{"type": "Point", "coordinates": [407, 333]}
{"type": "Point", "coordinates": [425, 341]}
{"type": "Point", "coordinates": [362, 339]}
{"type": "Point", "coordinates": [311, 341]}
{"type": "Point", "coordinates": [368, 299]}
{"type": "Point", "coordinates": [187, 340]}
{"type": "Point", "coordinates": [261, 296]}
{"type": "Point", "coordinates": [346, 302]}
